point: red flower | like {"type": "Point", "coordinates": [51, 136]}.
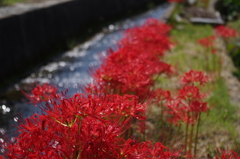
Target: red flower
{"type": "Point", "coordinates": [189, 93]}
{"type": "Point", "coordinates": [1, 157]}
{"type": "Point", "coordinates": [227, 154]}
{"type": "Point", "coordinates": [161, 95]}
{"type": "Point", "coordinates": [130, 69]}
{"type": "Point", "coordinates": [192, 77]}
{"type": "Point", "coordinates": [175, 111]}
{"type": "Point", "coordinates": [87, 126]}
{"type": "Point", "coordinates": [207, 42]}
{"type": "Point", "coordinates": [134, 150]}
{"type": "Point", "coordinates": [225, 31]}
{"type": "Point", "coordinates": [42, 93]}
{"type": "Point", "coordinates": [93, 126]}
{"type": "Point", "coordinates": [198, 106]}
{"type": "Point", "coordinates": [189, 103]}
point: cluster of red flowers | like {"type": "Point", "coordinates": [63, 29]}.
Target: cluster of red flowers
{"type": "Point", "coordinates": [131, 68]}
{"type": "Point", "coordinates": [188, 104]}
{"type": "Point", "coordinates": [99, 124]}
{"type": "Point", "coordinates": [84, 127]}
{"type": "Point", "coordinates": [42, 93]}
{"type": "Point", "coordinates": [96, 125]}
{"type": "Point", "coordinates": [208, 42]}
{"type": "Point", "coordinates": [227, 154]}
{"type": "Point", "coordinates": [225, 32]}
{"type": "Point", "coordinates": [194, 77]}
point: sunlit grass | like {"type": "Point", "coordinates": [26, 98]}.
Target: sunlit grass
{"type": "Point", "coordinates": [188, 54]}
{"type": "Point", "coordinates": [10, 2]}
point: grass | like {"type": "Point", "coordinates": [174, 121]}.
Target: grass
{"type": "Point", "coordinates": [9, 2]}
{"type": "Point", "coordinates": [187, 53]}
{"type": "Point", "coordinates": [219, 127]}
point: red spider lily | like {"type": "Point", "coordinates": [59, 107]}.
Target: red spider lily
{"type": "Point", "coordinates": [37, 139]}
{"type": "Point", "coordinates": [189, 103]}
{"type": "Point", "coordinates": [227, 154]}
{"type": "Point", "coordinates": [160, 95]}
{"type": "Point", "coordinates": [152, 36]}
{"type": "Point", "coordinates": [175, 111]}
{"type": "Point", "coordinates": [154, 46]}
{"type": "Point", "coordinates": [192, 103]}
{"type": "Point", "coordinates": [82, 126]}
{"type": "Point", "coordinates": [198, 106]}
{"type": "Point", "coordinates": [58, 141]}
{"type": "Point", "coordinates": [207, 42]}
{"type": "Point", "coordinates": [131, 68]}
{"type": "Point", "coordinates": [192, 110]}
{"type": "Point", "coordinates": [190, 93]}
{"type": "Point", "coordinates": [179, 111]}
{"type": "Point", "coordinates": [42, 93]}
{"type": "Point", "coordinates": [93, 126]}
{"type": "Point", "coordinates": [67, 111]}
{"type": "Point", "coordinates": [192, 77]}
{"type": "Point", "coordinates": [100, 140]}
{"type": "Point", "coordinates": [133, 150]}
{"type": "Point", "coordinates": [126, 72]}
{"type": "Point", "coordinates": [225, 31]}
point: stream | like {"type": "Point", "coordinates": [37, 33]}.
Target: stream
{"type": "Point", "coordinates": [70, 70]}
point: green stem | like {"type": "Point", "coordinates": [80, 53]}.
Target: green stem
{"type": "Point", "coordinates": [168, 134]}
{"type": "Point", "coordinates": [206, 59]}
{"type": "Point", "coordinates": [178, 130]}
{"type": "Point", "coordinates": [186, 136]}
{"type": "Point", "coordinates": [191, 137]}
{"type": "Point", "coordinates": [196, 136]}
{"type": "Point", "coordinates": [162, 111]}
{"type": "Point", "coordinates": [219, 66]}
{"type": "Point", "coordinates": [160, 137]}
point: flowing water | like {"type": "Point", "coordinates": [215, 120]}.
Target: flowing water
{"type": "Point", "coordinates": [68, 71]}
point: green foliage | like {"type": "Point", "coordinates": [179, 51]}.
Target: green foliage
{"type": "Point", "coordinates": [223, 112]}
{"type": "Point", "coordinates": [234, 52]}
{"type": "Point", "coordinates": [232, 7]}
{"type": "Point", "coordinates": [233, 47]}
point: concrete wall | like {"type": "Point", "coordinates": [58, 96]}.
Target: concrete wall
{"type": "Point", "coordinates": [28, 38]}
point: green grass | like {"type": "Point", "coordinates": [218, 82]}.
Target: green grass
{"type": "Point", "coordinates": [223, 116]}
{"type": "Point", "coordinates": [186, 55]}
{"type": "Point", "coordinates": [10, 2]}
